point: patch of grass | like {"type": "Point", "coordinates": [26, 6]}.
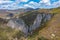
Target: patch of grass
{"type": "Point", "coordinates": [42, 38]}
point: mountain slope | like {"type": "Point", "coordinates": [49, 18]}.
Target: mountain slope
{"type": "Point", "coordinates": [52, 30]}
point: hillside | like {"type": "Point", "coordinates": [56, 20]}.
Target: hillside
{"type": "Point", "coordinates": [55, 10]}
{"type": "Point", "coordinates": [50, 30]}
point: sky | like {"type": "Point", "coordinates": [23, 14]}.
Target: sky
{"type": "Point", "coordinates": [17, 4]}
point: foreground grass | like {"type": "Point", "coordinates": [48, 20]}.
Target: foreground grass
{"type": "Point", "coordinates": [7, 33]}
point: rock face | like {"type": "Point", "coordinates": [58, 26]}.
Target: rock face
{"type": "Point", "coordinates": [23, 27]}
{"type": "Point", "coordinates": [18, 24]}
{"type": "Point", "coordinates": [40, 19]}
{"type": "Point", "coordinates": [36, 22]}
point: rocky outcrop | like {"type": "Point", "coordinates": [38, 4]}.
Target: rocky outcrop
{"type": "Point", "coordinates": [23, 27]}
{"type": "Point", "coordinates": [40, 20]}
{"type": "Point", "coordinates": [18, 24]}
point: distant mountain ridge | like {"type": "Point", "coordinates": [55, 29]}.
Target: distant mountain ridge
{"type": "Point", "coordinates": [17, 10]}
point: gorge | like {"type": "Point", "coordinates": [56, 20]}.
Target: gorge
{"type": "Point", "coordinates": [30, 22]}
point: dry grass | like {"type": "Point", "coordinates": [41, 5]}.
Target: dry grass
{"type": "Point", "coordinates": [53, 27]}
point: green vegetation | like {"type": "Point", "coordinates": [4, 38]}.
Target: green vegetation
{"type": "Point", "coordinates": [7, 33]}
{"type": "Point", "coordinates": [42, 38]}
{"type": "Point", "coordinates": [29, 17]}
{"type": "Point", "coordinates": [55, 10]}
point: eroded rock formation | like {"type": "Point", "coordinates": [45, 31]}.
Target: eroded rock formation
{"type": "Point", "coordinates": [20, 23]}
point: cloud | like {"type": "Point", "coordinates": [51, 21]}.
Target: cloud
{"type": "Point", "coordinates": [56, 4]}
{"type": "Point", "coordinates": [11, 5]}
{"type": "Point", "coordinates": [18, 1]}
{"type": "Point", "coordinates": [46, 2]}
{"type": "Point", "coordinates": [32, 4]}
{"type": "Point", "coordinates": [28, 6]}
{"type": "Point", "coordinates": [1, 2]}
{"type": "Point", "coordinates": [4, 0]}
{"type": "Point", "coordinates": [24, 0]}
{"type": "Point", "coordinates": [43, 4]}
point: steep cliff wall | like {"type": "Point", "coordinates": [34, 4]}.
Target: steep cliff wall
{"type": "Point", "coordinates": [34, 20]}
{"type": "Point", "coordinates": [30, 22]}
{"type": "Point", "coordinates": [40, 20]}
